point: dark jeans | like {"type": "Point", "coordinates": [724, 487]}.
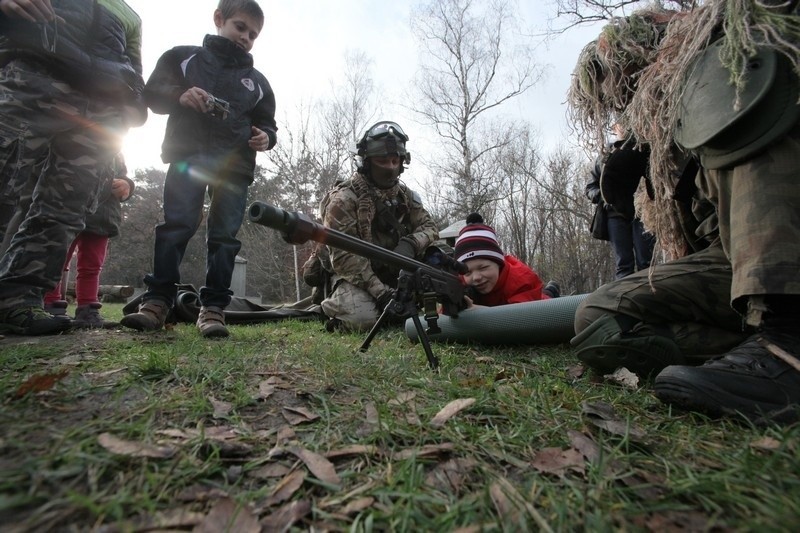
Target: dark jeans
{"type": "Point", "coordinates": [184, 193]}
{"type": "Point", "coordinates": [633, 248]}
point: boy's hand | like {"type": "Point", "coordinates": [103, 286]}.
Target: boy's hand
{"type": "Point", "coordinates": [31, 10]}
{"type": "Point", "coordinates": [194, 98]}
{"type": "Point", "coordinates": [121, 189]}
{"type": "Point", "coordinates": [259, 141]}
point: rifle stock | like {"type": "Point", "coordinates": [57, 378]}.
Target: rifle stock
{"type": "Point", "coordinates": [297, 228]}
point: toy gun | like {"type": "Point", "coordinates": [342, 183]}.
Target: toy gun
{"type": "Point", "coordinates": [217, 107]}
{"type": "Point", "coordinates": [420, 286]}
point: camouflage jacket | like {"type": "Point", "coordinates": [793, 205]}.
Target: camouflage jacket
{"type": "Point", "coordinates": [94, 45]}
{"type": "Point", "coordinates": [352, 207]}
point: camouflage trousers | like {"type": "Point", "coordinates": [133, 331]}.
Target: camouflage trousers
{"type": "Point", "coordinates": [45, 120]}
{"type": "Point", "coordinates": [702, 301]}
{"type": "Point", "coordinates": [355, 307]}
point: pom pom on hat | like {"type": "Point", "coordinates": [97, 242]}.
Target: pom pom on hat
{"type": "Point", "coordinates": [477, 240]}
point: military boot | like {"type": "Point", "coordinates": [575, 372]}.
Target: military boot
{"type": "Point", "coordinates": [615, 341]}
{"type": "Point", "coordinates": [32, 320]}
{"type": "Point", "coordinates": [759, 379]}
{"type": "Point", "coordinates": [211, 322]}
{"type": "Point", "coordinates": [151, 316]}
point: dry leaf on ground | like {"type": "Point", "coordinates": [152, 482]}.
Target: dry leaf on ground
{"type": "Point", "coordinates": [623, 376]}
{"type": "Point", "coordinates": [286, 488]}
{"type": "Point", "coordinates": [282, 519]}
{"type": "Point", "coordinates": [221, 409]}
{"type": "Point", "coordinates": [450, 410]}
{"type": "Point", "coordinates": [357, 505]}
{"type": "Point", "coordinates": [134, 449]}
{"type": "Point", "coordinates": [449, 477]}
{"type": "Point", "coordinates": [317, 465]}
{"type": "Point", "coordinates": [402, 398]}
{"type": "Point", "coordinates": [557, 461]}
{"type": "Point", "coordinates": [298, 415]}
{"type": "Point", "coordinates": [227, 515]}
{"type": "Point", "coordinates": [602, 415]}
{"type": "Point", "coordinates": [354, 449]}
{"type": "Point", "coordinates": [40, 383]}
{"type": "Point", "coordinates": [584, 444]}
{"type": "Point", "coordinates": [429, 450]}
{"type": "Point", "coordinates": [269, 471]}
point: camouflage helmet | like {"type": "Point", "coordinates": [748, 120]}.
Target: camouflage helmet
{"type": "Point", "coordinates": [383, 138]}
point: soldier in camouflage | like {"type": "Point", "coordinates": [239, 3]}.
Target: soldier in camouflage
{"type": "Point", "coordinates": [376, 207]}
{"type": "Point", "coordinates": [70, 86]}
{"type": "Point", "coordinates": [720, 328]}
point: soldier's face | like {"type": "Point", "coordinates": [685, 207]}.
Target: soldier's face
{"type": "Point", "coordinates": [483, 274]}
{"type": "Point", "coordinates": [385, 170]}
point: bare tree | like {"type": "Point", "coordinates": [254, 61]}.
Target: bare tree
{"type": "Point", "coordinates": [578, 12]}
{"type": "Point", "coordinates": [469, 70]}
{"type": "Point", "coordinates": [345, 116]}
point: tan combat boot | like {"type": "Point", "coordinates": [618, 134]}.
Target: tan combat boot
{"type": "Point", "coordinates": [211, 322]}
{"type": "Point", "coordinates": [151, 316]}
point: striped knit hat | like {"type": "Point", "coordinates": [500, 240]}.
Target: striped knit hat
{"type": "Point", "coordinates": [477, 240]}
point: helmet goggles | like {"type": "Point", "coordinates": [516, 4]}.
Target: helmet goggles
{"type": "Point", "coordinates": [384, 138]}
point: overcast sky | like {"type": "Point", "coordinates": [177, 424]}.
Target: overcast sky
{"type": "Point", "coordinates": [302, 47]}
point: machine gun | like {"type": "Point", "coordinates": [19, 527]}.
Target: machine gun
{"type": "Point", "coordinates": [419, 286]}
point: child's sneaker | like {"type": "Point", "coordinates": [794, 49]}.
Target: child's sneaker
{"type": "Point", "coordinates": [56, 308]}
{"type": "Point", "coordinates": [33, 320]}
{"type": "Point", "coordinates": [151, 316]}
{"type": "Point", "coordinates": [211, 322]}
{"type": "Point", "coordinates": [88, 317]}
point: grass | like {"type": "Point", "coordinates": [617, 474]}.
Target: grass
{"type": "Point", "coordinates": [211, 429]}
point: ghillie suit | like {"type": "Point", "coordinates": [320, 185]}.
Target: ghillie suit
{"type": "Point", "coordinates": [636, 72]}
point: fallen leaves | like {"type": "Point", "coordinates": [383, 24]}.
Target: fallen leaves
{"type": "Point", "coordinates": [129, 448]}
{"type": "Point", "coordinates": [40, 383]}
{"type": "Point", "coordinates": [450, 410]}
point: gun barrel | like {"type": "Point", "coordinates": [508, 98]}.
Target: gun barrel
{"type": "Point", "coordinates": [298, 228]}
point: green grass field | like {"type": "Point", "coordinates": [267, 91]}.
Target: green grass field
{"type": "Point", "coordinates": [283, 426]}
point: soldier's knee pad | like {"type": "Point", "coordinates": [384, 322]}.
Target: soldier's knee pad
{"type": "Point", "coordinates": [608, 344]}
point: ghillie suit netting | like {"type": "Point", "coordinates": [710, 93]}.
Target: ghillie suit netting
{"type": "Point", "coordinates": [635, 72]}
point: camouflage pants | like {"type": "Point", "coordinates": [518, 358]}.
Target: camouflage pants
{"type": "Point", "coordinates": [42, 119]}
{"type": "Point", "coordinates": [702, 300]}
{"type": "Point", "coordinates": [355, 307]}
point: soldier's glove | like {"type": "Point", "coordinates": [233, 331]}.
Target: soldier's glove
{"type": "Point", "coordinates": [383, 300]}
{"type": "Point", "coordinates": [406, 248]}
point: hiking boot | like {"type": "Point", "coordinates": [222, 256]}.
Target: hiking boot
{"type": "Point", "coordinates": [552, 289]}
{"type": "Point", "coordinates": [57, 307]}
{"type": "Point", "coordinates": [211, 322]}
{"type": "Point", "coordinates": [749, 380]}
{"type": "Point", "coordinates": [332, 325]}
{"type": "Point", "coordinates": [151, 316]}
{"type": "Point", "coordinates": [610, 343]}
{"type": "Point", "coordinates": [88, 317]}
{"type": "Point", "coordinates": [32, 320]}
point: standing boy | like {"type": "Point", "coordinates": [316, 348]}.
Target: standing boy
{"type": "Point", "coordinates": [221, 111]}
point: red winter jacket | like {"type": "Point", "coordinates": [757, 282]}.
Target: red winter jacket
{"type": "Point", "coordinates": [517, 283]}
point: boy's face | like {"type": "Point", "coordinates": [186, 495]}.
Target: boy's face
{"type": "Point", "coordinates": [242, 29]}
{"type": "Point", "coordinates": [483, 274]}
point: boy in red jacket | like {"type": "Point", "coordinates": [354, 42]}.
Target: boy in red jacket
{"type": "Point", "coordinates": [498, 278]}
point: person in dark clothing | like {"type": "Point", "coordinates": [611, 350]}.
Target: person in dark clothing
{"type": "Point", "coordinates": [91, 246]}
{"type": "Point", "coordinates": [72, 86]}
{"type": "Point", "coordinates": [221, 111]}
{"type": "Point", "coordinates": [614, 179]}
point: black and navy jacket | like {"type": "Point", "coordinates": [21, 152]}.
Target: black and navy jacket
{"type": "Point", "coordinates": [225, 71]}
